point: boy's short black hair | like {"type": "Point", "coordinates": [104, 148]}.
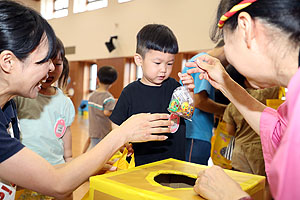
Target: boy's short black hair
{"type": "Point", "coordinates": [156, 37]}
{"type": "Point", "coordinates": [107, 75]}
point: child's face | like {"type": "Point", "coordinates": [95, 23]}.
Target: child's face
{"type": "Point", "coordinates": [157, 67]}
{"type": "Point", "coordinates": [54, 75]}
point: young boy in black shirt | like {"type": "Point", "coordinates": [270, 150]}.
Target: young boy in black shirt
{"type": "Point", "coordinates": [155, 53]}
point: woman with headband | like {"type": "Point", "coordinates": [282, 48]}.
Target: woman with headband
{"type": "Point", "coordinates": [27, 44]}
{"type": "Point", "coordinates": [262, 40]}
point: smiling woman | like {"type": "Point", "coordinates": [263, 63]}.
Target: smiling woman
{"type": "Point", "coordinates": [33, 35]}
{"type": "Point", "coordinates": [33, 70]}
{"type": "Point", "coordinates": [27, 45]}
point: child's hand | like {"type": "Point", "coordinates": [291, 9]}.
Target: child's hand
{"type": "Point", "coordinates": [188, 81]}
{"type": "Point", "coordinates": [129, 148]}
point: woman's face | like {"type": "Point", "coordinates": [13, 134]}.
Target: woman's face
{"type": "Point", "coordinates": [30, 75]}
{"type": "Point", "coordinates": [250, 59]}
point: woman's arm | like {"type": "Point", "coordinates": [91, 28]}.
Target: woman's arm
{"type": "Point", "coordinates": [204, 103]}
{"type": "Point", "coordinates": [248, 106]}
{"type": "Point", "coordinates": [128, 146]}
{"type": "Point", "coordinates": [67, 139]}
{"type": "Point", "coordinates": [214, 72]}
{"type": "Point", "coordinates": [114, 126]}
{"type": "Point", "coordinates": [86, 145]}
{"type": "Point", "coordinates": [29, 170]}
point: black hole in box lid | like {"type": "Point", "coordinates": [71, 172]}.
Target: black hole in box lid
{"type": "Point", "coordinates": [175, 180]}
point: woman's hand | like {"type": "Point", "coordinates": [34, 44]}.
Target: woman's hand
{"type": "Point", "coordinates": [141, 127]}
{"type": "Point", "coordinates": [108, 167]}
{"type": "Point", "coordinates": [211, 69]}
{"type": "Point", "coordinates": [214, 184]}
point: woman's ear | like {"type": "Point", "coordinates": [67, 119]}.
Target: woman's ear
{"type": "Point", "coordinates": [246, 25]}
{"type": "Point", "coordinates": [7, 60]}
{"type": "Point", "coordinates": [138, 59]}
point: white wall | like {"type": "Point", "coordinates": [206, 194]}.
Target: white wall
{"type": "Point", "coordinates": [190, 20]}
{"type": "Point", "coordinates": [31, 3]}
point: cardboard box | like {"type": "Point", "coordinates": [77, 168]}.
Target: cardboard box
{"type": "Point", "coordinates": [168, 179]}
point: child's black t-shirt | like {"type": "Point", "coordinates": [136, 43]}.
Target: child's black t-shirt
{"type": "Point", "coordinates": [139, 98]}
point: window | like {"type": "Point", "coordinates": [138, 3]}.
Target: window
{"type": "Point", "coordinates": [93, 77]}
{"type": "Point", "coordinates": [54, 8]}
{"type": "Point", "coordinates": [123, 1]}
{"type": "Point", "coordinates": [139, 72]}
{"type": "Point", "coordinates": [96, 4]}
{"type": "Point", "coordinates": [60, 8]}
{"type": "Point", "coordinates": [84, 5]}
{"type": "Point", "coordinates": [131, 72]}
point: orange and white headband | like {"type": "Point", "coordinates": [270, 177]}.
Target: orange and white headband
{"type": "Point", "coordinates": [243, 4]}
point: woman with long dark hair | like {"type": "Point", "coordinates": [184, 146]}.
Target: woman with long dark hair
{"type": "Point", "coordinates": [27, 45]}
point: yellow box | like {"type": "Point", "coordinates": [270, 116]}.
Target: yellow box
{"type": "Point", "coordinates": [138, 183]}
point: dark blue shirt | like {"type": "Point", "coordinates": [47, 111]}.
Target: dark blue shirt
{"type": "Point", "coordinates": [8, 145]}
{"type": "Point", "coordinates": [140, 98]}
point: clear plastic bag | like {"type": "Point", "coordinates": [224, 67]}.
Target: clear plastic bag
{"type": "Point", "coordinates": [182, 104]}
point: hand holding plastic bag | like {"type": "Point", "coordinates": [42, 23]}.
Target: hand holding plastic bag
{"type": "Point", "coordinates": [182, 104]}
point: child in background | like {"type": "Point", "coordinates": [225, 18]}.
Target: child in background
{"type": "Point", "coordinates": [45, 121]}
{"type": "Point", "coordinates": [63, 79]}
{"type": "Point", "coordinates": [199, 130]}
{"type": "Point", "coordinates": [100, 104]}
{"type": "Point", "coordinates": [155, 53]}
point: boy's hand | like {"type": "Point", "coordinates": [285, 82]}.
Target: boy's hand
{"type": "Point", "coordinates": [188, 81]}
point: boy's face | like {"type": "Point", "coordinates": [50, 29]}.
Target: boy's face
{"type": "Point", "coordinates": [156, 65]}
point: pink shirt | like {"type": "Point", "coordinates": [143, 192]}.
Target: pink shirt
{"type": "Point", "coordinates": [272, 127]}
{"type": "Point", "coordinates": [281, 144]}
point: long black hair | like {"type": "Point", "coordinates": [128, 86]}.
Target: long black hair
{"type": "Point", "coordinates": [21, 30]}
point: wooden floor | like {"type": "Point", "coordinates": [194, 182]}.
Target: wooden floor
{"type": "Point", "coordinates": [79, 129]}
